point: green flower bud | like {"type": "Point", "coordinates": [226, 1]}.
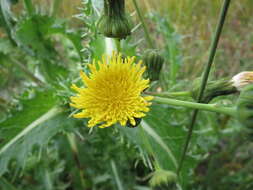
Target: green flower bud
{"type": "Point", "coordinates": [114, 23]}
{"type": "Point", "coordinates": [213, 89]}
{"type": "Point", "coordinates": [154, 62]}
{"type": "Point", "coordinates": [245, 107]}
{"type": "Point", "coordinates": [163, 179]}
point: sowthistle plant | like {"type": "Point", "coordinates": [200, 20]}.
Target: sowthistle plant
{"type": "Point", "coordinates": [114, 89]}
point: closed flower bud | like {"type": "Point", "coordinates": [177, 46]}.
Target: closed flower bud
{"type": "Point", "coordinates": [245, 107]}
{"type": "Point", "coordinates": [242, 79]}
{"type": "Point", "coordinates": [154, 62]}
{"type": "Point", "coordinates": [114, 23]}
{"type": "Point", "coordinates": [213, 89]}
{"type": "Point", "coordinates": [163, 179]}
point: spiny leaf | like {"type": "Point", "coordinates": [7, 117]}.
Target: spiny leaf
{"type": "Point", "coordinates": [35, 124]}
{"type": "Point", "coordinates": [38, 37]}
{"type": "Point", "coordinates": [32, 38]}
{"type": "Point", "coordinates": [31, 110]}
{"type": "Point", "coordinates": [37, 42]}
{"type": "Point", "coordinates": [37, 133]}
{"type": "Point", "coordinates": [13, 129]}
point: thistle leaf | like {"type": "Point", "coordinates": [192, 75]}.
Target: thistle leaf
{"type": "Point", "coordinates": [35, 124]}
{"type": "Point", "coordinates": [159, 138]}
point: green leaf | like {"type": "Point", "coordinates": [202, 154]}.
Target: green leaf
{"type": "Point", "coordinates": [7, 19]}
{"type": "Point", "coordinates": [172, 51]}
{"type": "Point", "coordinates": [32, 109]}
{"type": "Point", "coordinates": [116, 176]}
{"type": "Point", "coordinates": [97, 46]}
{"type": "Point", "coordinates": [38, 133]}
{"type": "Point", "coordinates": [76, 40]}
{"type": "Point", "coordinates": [34, 34]}
{"type": "Point", "coordinates": [4, 184]}
{"type": "Point", "coordinates": [162, 138]}
{"type": "Point", "coordinates": [35, 124]}
{"type": "Point", "coordinates": [158, 139]}
{"type": "Point", "coordinates": [38, 37]}
{"type": "Point", "coordinates": [5, 46]}
{"type": "Point", "coordinates": [33, 38]}
{"type": "Point", "coordinates": [5, 7]}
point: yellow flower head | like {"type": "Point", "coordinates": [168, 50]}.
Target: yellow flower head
{"type": "Point", "coordinates": [112, 92]}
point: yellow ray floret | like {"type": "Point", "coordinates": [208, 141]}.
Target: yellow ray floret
{"type": "Point", "coordinates": [112, 92]}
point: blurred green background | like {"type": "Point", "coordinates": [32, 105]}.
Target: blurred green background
{"type": "Point", "coordinates": [56, 40]}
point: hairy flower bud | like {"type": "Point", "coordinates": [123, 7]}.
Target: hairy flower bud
{"type": "Point", "coordinates": [242, 79]}
{"type": "Point", "coordinates": [163, 179]}
{"type": "Point", "coordinates": [213, 89]}
{"type": "Point", "coordinates": [114, 23]}
{"type": "Point", "coordinates": [245, 107]}
{"type": "Point", "coordinates": [154, 62]}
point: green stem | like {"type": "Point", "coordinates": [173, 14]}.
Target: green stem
{"type": "Point", "coordinates": [199, 106]}
{"type": "Point", "coordinates": [148, 38]}
{"type": "Point", "coordinates": [214, 45]}
{"type": "Point", "coordinates": [117, 43]}
{"type": "Point", "coordinates": [170, 94]}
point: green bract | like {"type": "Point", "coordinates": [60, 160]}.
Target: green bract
{"type": "Point", "coordinates": [114, 23]}
{"type": "Point", "coordinates": [245, 107]}
{"type": "Point", "coordinates": [163, 179]}
{"type": "Point", "coordinates": [154, 62]}
{"type": "Point", "coordinates": [213, 89]}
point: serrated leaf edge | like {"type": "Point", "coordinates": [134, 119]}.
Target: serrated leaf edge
{"type": "Point", "coordinates": [50, 114]}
